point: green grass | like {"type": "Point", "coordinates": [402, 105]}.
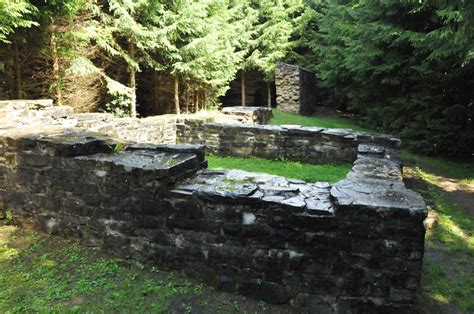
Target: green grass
{"type": "Point", "coordinates": [449, 274]}
{"type": "Point", "coordinates": [280, 117]}
{"type": "Point", "coordinates": [295, 170]}
{"type": "Point", "coordinates": [56, 277]}
{"type": "Point", "coordinates": [458, 170]}
{"type": "Point", "coordinates": [45, 274]}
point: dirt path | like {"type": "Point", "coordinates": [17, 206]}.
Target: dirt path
{"type": "Point", "coordinates": [461, 194]}
{"type": "Point", "coordinates": [453, 264]}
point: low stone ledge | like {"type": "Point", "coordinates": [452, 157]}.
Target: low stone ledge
{"type": "Point", "coordinates": [293, 142]}
{"type": "Point", "coordinates": [161, 164]}
{"type": "Point", "coordinates": [29, 104]}
{"type": "Point", "coordinates": [252, 188]}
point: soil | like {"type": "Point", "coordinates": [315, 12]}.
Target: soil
{"type": "Point", "coordinates": [463, 196]}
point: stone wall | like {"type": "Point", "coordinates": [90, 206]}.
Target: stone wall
{"type": "Point", "coordinates": [295, 89]}
{"type": "Point", "coordinates": [306, 144]}
{"type": "Point", "coordinates": [356, 246]}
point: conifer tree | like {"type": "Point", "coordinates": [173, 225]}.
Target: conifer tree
{"type": "Point", "coordinates": [406, 66]}
{"type": "Point", "coordinates": [14, 14]}
{"type": "Point", "coordinates": [272, 40]}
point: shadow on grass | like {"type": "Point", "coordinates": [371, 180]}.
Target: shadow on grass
{"type": "Point", "coordinates": [448, 272]}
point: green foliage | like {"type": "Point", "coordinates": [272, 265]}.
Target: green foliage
{"type": "Point", "coordinates": [407, 66]}
{"type": "Point", "coordinates": [14, 14]}
{"type": "Point", "coordinates": [289, 169]}
{"type": "Point", "coordinates": [272, 37]}
{"type": "Point", "coordinates": [119, 106]}
{"type": "Point", "coordinates": [208, 40]}
{"type": "Point", "coordinates": [8, 218]}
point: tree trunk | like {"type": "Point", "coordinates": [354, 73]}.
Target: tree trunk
{"type": "Point", "coordinates": [176, 94]}
{"type": "Point", "coordinates": [17, 66]}
{"type": "Point", "coordinates": [186, 99]}
{"type": "Point", "coordinates": [54, 55]}
{"type": "Point", "coordinates": [269, 94]}
{"type": "Point", "coordinates": [156, 93]}
{"type": "Point", "coordinates": [242, 84]}
{"type": "Point", "coordinates": [204, 98]}
{"type": "Point", "coordinates": [132, 81]}
{"type": "Point", "coordinates": [196, 100]}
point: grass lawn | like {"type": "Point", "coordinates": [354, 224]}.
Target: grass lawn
{"type": "Point", "coordinates": [458, 170]}
{"type": "Point", "coordinates": [448, 270]}
{"type": "Point", "coordinates": [44, 274]}
{"type": "Point", "coordinates": [295, 170]}
{"type": "Point", "coordinates": [280, 117]}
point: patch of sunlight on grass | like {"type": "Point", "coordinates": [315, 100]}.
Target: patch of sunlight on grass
{"type": "Point", "coordinates": [56, 277]}
{"type": "Point", "coordinates": [458, 170]}
{"type": "Point", "coordinates": [453, 238]}
{"type": "Point", "coordinates": [7, 253]}
{"type": "Point", "coordinates": [445, 290]}
{"type": "Point", "coordinates": [290, 169]}
{"type": "Point", "coordinates": [455, 227]}
{"type": "Point", "coordinates": [280, 118]}
{"type": "Point", "coordinates": [467, 183]}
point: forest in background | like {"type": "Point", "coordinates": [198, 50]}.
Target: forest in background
{"type": "Point", "coordinates": [404, 67]}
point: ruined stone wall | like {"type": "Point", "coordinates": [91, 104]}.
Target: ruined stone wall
{"type": "Point", "coordinates": [295, 89]}
{"type": "Point", "coordinates": [292, 142]}
{"type": "Point", "coordinates": [355, 246]}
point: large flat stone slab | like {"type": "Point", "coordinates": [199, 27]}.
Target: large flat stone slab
{"type": "Point", "coordinates": [247, 187]}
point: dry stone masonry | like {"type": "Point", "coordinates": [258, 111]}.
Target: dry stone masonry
{"type": "Point", "coordinates": [295, 89]}
{"type": "Point", "coordinates": [353, 247]}
{"type": "Point", "coordinates": [292, 142]}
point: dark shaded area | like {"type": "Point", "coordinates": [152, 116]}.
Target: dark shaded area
{"type": "Point", "coordinates": [256, 91]}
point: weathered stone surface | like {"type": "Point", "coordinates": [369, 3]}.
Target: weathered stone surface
{"type": "Point", "coordinates": [292, 142]}
{"type": "Point", "coordinates": [250, 115]}
{"type": "Point", "coordinates": [354, 246]}
{"type": "Point", "coordinates": [295, 89]}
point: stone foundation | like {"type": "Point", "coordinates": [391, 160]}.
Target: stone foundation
{"type": "Point", "coordinates": [292, 142]}
{"type": "Point", "coordinates": [356, 246]}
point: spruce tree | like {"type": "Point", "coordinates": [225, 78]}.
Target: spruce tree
{"type": "Point", "coordinates": [407, 66]}
{"type": "Point", "coordinates": [275, 26]}
{"type": "Point", "coordinates": [14, 14]}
